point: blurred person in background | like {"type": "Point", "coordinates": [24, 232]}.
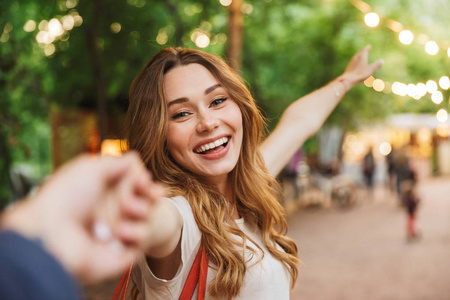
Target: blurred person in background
{"type": "Point", "coordinates": [369, 168]}
{"type": "Point", "coordinates": [80, 226]}
{"type": "Point", "coordinates": [411, 202]}
{"type": "Point", "coordinates": [290, 172]}
{"type": "Point", "coordinates": [402, 169]}
{"type": "Point", "coordinates": [391, 170]}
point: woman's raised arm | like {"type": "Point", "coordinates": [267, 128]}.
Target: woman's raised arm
{"type": "Point", "coordinates": [305, 116]}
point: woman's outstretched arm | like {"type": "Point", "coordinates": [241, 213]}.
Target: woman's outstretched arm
{"type": "Point", "coordinates": [305, 116]}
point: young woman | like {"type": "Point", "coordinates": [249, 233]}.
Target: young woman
{"type": "Point", "coordinates": [199, 131]}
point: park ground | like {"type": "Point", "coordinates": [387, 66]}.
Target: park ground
{"type": "Point", "coordinates": [363, 252]}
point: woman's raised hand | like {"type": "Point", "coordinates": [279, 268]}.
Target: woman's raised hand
{"type": "Point", "coordinates": [358, 69]}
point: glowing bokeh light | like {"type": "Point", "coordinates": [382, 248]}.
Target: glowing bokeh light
{"type": "Point", "coordinates": [68, 22]}
{"type": "Point", "coordinates": [411, 90]}
{"type": "Point", "coordinates": [385, 148]}
{"type": "Point", "coordinates": [195, 34]}
{"type": "Point", "coordinates": [111, 147]}
{"type": "Point", "coordinates": [431, 47]}
{"type": "Point", "coordinates": [442, 130]}
{"type": "Point", "coordinates": [29, 26]}
{"type": "Point", "coordinates": [399, 88]}
{"type": "Point", "coordinates": [378, 85]}
{"type": "Point", "coordinates": [116, 27]}
{"type": "Point", "coordinates": [225, 2]}
{"type": "Point", "coordinates": [369, 81]}
{"type": "Point", "coordinates": [43, 37]}
{"type": "Point", "coordinates": [437, 97]}
{"type": "Point", "coordinates": [444, 82]}
{"type": "Point", "coordinates": [394, 87]}
{"type": "Point", "coordinates": [8, 27]}
{"type": "Point", "coordinates": [78, 20]}
{"type": "Point", "coordinates": [421, 89]}
{"type": "Point", "coordinates": [202, 41]}
{"type": "Point", "coordinates": [71, 3]}
{"type": "Point", "coordinates": [49, 49]}
{"type": "Point", "coordinates": [372, 19]}
{"type": "Point", "coordinates": [43, 25]}
{"type": "Point", "coordinates": [431, 86]}
{"type": "Point", "coordinates": [442, 115]}
{"type": "Point", "coordinates": [247, 8]}
{"type": "Point", "coordinates": [55, 28]}
{"type": "Point", "coordinates": [162, 37]}
{"type": "Point", "coordinates": [4, 37]}
{"type": "Point", "coordinates": [406, 37]}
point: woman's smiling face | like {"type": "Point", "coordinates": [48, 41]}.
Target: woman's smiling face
{"type": "Point", "coordinates": [205, 124]}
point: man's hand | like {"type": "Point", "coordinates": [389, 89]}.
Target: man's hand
{"type": "Point", "coordinates": [80, 212]}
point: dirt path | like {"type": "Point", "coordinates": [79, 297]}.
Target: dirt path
{"type": "Point", "coordinates": [363, 253]}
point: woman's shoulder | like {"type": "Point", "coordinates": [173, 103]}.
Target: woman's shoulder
{"type": "Point", "coordinates": [183, 206]}
{"type": "Point", "coordinates": [180, 201]}
{"type": "Point", "coordinates": [191, 233]}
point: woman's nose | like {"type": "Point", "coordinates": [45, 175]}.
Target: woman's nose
{"type": "Point", "coordinates": [206, 122]}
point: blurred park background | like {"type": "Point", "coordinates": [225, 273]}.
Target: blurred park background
{"type": "Point", "coordinates": [66, 67]}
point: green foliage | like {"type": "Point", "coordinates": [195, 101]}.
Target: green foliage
{"type": "Point", "coordinates": [293, 48]}
{"type": "Point", "coordinates": [24, 83]}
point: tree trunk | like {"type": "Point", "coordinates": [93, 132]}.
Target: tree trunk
{"type": "Point", "coordinates": [5, 184]}
{"type": "Point", "coordinates": [97, 63]}
{"type": "Point", "coordinates": [234, 50]}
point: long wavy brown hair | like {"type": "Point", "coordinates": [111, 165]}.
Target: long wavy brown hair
{"type": "Point", "coordinates": [256, 191]}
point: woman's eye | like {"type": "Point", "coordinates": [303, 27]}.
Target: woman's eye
{"type": "Point", "coordinates": [218, 101]}
{"type": "Point", "coordinates": [180, 114]}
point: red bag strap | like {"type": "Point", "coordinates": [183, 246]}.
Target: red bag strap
{"type": "Point", "coordinates": [122, 286]}
{"type": "Point", "coordinates": [197, 275]}
{"type": "Point", "coordinates": [203, 275]}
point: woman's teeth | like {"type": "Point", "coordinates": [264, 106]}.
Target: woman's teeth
{"type": "Point", "coordinates": [212, 145]}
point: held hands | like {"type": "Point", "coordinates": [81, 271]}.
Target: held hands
{"type": "Point", "coordinates": [358, 69]}
{"type": "Point", "coordinates": [90, 213]}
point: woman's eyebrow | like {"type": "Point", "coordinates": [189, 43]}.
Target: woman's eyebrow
{"type": "Point", "coordinates": [178, 100]}
{"type": "Point", "coordinates": [185, 99]}
{"type": "Point", "coordinates": [212, 88]}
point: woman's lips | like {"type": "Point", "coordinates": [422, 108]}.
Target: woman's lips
{"type": "Point", "coordinates": [217, 152]}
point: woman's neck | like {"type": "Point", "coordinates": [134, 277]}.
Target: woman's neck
{"type": "Point", "coordinates": [225, 188]}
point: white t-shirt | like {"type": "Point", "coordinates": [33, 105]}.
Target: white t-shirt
{"type": "Point", "coordinates": [268, 279]}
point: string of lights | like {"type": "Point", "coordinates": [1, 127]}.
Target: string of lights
{"type": "Point", "coordinates": [406, 37]}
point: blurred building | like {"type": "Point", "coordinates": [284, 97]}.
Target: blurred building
{"type": "Point", "coordinates": [75, 131]}
{"type": "Point", "coordinates": [425, 138]}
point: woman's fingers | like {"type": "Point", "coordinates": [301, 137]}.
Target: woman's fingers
{"type": "Point", "coordinates": [134, 233]}
{"type": "Point", "coordinates": [135, 208]}
{"type": "Point", "coordinates": [149, 189]}
{"type": "Point", "coordinates": [376, 65]}
{"type": "Point", "coordinates": [138, 199]}
{"type": "Point", "coordinates": [359, 69]}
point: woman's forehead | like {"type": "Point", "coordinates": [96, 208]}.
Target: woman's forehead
{"type": "Point", "coordinates": [187, 80]}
